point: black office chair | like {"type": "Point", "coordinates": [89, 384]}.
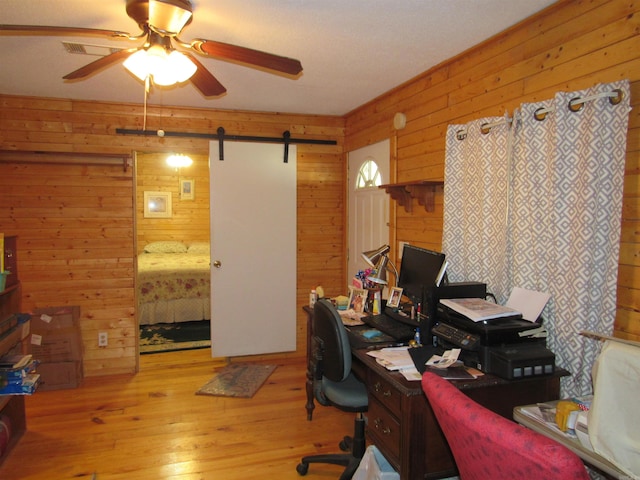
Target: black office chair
{"type": "Point", "coordinates": [336, 385]}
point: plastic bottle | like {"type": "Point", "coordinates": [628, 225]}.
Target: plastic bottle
{"type": "Point", "coordinates": [416, 337]}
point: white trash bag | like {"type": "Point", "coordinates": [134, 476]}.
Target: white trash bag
{"type": "Point", "coordinates": [374, 466]}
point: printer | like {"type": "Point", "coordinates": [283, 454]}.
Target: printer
{"type": "Point", "coordinates": [509, 347]}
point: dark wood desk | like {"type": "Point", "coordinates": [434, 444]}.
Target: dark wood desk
{"type": "Point", "coordinates": [400, 420]}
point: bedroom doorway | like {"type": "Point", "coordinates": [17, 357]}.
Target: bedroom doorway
{"type": "Point", "coordinates": [172, 252]}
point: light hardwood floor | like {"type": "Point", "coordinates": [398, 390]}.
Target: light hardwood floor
{"type": "Point", "coordinates": [153, 426]}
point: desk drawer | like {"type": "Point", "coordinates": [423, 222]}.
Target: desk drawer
{"type": "Point", "coordinates": [384, 430]}
{"type": "Point", "coordinates": [385, 393]}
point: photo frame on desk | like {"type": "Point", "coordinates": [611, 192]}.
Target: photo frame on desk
{"type": "Point", "coordinates": [395, 294]}
{"type": "Point", "coordinates": [357, 299]}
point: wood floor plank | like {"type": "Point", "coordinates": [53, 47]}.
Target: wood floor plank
{"type": "Point", "coordinates": [153, 426]}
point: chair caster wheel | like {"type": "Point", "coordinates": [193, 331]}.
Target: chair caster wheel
{"type": "Point", "coordinates": [346, 444]}
{"type": "Point", "coordinates": [302, 468]}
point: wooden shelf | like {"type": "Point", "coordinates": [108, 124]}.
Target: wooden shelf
{"type": "Point", "coordinates": [12, 406]}
{"type": "Point", "coordinates": [421, 190]}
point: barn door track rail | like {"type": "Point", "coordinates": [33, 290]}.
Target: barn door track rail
{"type": "Point", "coordinates": [221, 136]}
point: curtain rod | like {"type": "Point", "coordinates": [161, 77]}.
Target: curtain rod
{"type": "Point", "coordinates": [221, 136]}
{"type": "Point", "coordinates": [67, 158]}
{"type": "Point", "coordinates": [575, 105]}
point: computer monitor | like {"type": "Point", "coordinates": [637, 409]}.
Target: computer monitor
{"type": "Point", "coordinates": [419, 269]}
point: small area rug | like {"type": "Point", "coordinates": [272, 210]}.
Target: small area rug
{"type": "Point", "coordinates": [166, 337]}
{"type": "Point", "coordinates": [237, 380]}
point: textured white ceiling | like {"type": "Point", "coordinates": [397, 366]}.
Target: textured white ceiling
{"type": "Point", "coordinates": [351, 50]}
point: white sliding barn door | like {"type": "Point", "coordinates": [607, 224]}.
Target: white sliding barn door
{"type": "Point", "coordinates": [253, 237]}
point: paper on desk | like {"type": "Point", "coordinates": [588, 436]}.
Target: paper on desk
{"type": "Point", "coordinates": [528, 302]}
{"type": "Point", "coordinates": [446, 360]}
{"type": "Point", "coordinates": [397, 359]}
{"type": "Point", "coordinates": [393, 358]}
{"type": "Point", "coordinates": [411, 374]}
{"type": "Point", "coordinates": [351, 318]}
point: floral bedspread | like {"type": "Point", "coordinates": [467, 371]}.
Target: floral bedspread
{"type": "Point", "coordinates": [168, 276]}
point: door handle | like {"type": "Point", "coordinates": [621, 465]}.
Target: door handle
{"type": "Point", "coordinates": [217, 263]}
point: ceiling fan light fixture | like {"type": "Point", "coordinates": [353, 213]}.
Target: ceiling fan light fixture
{"type": "Point", "coordinates": [169, 17]}
{"type": "Point", "coordinates": [164, 68]}
{"type": "Point", "coordinates": [181, 66]}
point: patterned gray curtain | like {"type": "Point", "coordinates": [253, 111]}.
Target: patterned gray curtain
{"type": "Point", "coordinates": [476, 185]}
{"type": "Point", "coordinates": [568, 170]}
{"type": "Point", "coordinates": [537, 205]}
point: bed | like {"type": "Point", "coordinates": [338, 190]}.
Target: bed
{"type": "Point", "coordinates": [174, 283]}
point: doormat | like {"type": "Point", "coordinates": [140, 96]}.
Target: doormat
{"type": "Point", "coordinates": [167, 337]}
{"type": "Point", "coordinates": [237, 380]}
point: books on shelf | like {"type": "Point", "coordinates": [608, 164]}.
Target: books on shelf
{"type": "Point", "coordinates": [14, 362]}
{"type": "Point", "coordinates": [478, 309]}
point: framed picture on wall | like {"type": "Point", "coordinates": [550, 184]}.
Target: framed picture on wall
{"type": "Point", "coordinates": [157, 204]}
{"type": "Point", "coordinates": [187, 189]}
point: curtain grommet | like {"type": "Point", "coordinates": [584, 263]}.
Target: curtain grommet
{"type": "Point", "coordinates": [485, 128]}
{"type": "Point", "coordinates": [618, 98]}
{"type": "Point", "coordinates": [576, 104]}
{"type": "Point", "coordinates": [540, 114]}
{"type": "Point", "coordinates": [461, 134]}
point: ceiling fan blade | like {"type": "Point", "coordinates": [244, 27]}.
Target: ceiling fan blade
{"type": "Point", "coordinates": [99, 64]}
{"type": "Point", "coordinates": [204, 81]}
{"type": "Point", "coordinates": [254, 58]}
{"type": "Point", "coordinates": [45, 30]}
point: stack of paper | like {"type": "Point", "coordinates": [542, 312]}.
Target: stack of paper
{"type": "Point", "coordinates": [477, 309]}
{"type": "Point", "coordinates": [397, 359]}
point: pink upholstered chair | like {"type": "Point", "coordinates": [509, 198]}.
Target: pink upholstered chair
{"type": "Point", "coordinates": [487, 446]}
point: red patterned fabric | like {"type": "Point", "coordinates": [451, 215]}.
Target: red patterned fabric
{"type": "Point", "coordinates": [487, 446]}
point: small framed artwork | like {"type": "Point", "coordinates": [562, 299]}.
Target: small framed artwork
{"type": "Point", "coordinates": [394, 297]}
{"type": "Point", "coordinates": [187, 189]}
{"type": "Point", "coordinates": [357, 299]}
{"type": "Point", "coordinates": [157, 204]}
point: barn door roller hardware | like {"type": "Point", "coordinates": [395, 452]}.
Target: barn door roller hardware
{"type": "Point", "coordinates": [221, 136]}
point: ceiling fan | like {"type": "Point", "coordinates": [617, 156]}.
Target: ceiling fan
{"type": "Point", "coordinates": [161, 21]}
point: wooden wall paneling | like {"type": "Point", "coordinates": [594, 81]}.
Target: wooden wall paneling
{"type": "Point", "coordinates": [569, 46]}
{"type": "Point", "coordinates": [75, 237]}
{"type": "Point", "coordinates": [76, 227]}
{"type": "Point", "coordinates": [190, 218]}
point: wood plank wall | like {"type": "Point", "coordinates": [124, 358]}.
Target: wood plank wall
{"type": "Point", "coordinates": [570, 46]}
{"type": "Point", "coordinates": [190, 218]}
{"type": "Point", "coordinates": [76, 223]}
{"type": "Point", "coordinates": [68, 218]}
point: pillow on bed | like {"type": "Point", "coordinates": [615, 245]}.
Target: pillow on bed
{"type": "Point", "coordinates": [199, 248]}
{"type": "Point", "coordinates": [165, 247]}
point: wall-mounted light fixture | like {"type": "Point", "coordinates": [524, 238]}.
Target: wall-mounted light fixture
{"type": "Point", "coordinates": [179, 160]}
{"type": "Point", "coordinates": [399, 121]}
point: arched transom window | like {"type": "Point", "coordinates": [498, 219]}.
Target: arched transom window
{"type": "Point", "coordinates": [368, 175]}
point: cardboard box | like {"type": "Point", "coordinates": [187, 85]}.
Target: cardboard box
{"type": "Point", "coordinates": [55, 334]}
{"type": "Point", "coordinates": [56, 342]}
{"type": "Point", "coordinates": [59, 375]}
{"type": "Point", "coordinates": [56, 318]}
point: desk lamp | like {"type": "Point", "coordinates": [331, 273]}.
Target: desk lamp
{"type": "Point", "coordinates": [379, 260]}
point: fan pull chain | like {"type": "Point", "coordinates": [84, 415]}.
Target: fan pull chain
{"type": "Point", "coordinates": [146, 93]}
